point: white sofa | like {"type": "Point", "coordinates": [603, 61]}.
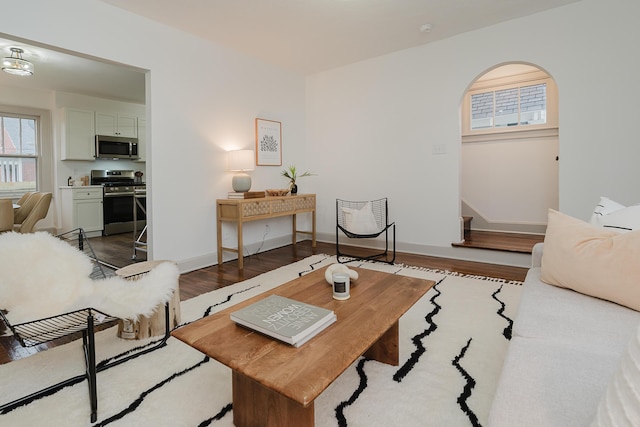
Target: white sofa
{"type": "Point", "coordinates": [564, 351]}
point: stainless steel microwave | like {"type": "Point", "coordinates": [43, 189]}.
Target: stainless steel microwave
{"type": "Point", "coordinates": [116, 147]}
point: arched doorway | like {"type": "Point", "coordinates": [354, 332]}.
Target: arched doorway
{"type": "Point", "coordinates": [509, 153]}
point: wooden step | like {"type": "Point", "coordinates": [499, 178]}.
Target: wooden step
{"type": "Point", "coordinates": [500, 241]}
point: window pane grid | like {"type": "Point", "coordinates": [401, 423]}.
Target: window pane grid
{"type": "Point", "coordinates": [533, 105]}
{"type": "Point", "coordinates": [18, 153]}
{"type": "Point", "coordinates": [482, 107]}
{"type": "Point", "coordinates": [506, 108]}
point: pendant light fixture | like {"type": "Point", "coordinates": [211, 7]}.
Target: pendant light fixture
{"type": "Point", "coordinates": [16, 65]}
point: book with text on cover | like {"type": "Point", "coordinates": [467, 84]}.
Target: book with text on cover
{"type": "Point", "coordinates": [288, 320]}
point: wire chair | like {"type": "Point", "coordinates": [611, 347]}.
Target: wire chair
{"type": "Point", "coordinates": [365, 220]}
{"type": "Point", "coordinates": [41, 331]}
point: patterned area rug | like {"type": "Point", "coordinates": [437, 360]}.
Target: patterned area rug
{"type": "Point", "coordinates": [452, 345]}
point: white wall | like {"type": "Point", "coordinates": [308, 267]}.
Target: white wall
{"type": "Point", "coordinates": [510, 183]}
{"type": "Point", "coordinates": [367, 129]}
{"type": "Point", "coordinates": [371, 125]}
{"type": "Point", "coordinates": [194, 115]}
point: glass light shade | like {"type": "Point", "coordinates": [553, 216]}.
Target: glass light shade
{"type": "Point", "coordinates": [240, 160]}
{"type": "Point", "coordinates": [16, 65]}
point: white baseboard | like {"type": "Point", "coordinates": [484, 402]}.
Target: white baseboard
{"type": "Point", "coordinates": [207, 260]}
{"type": "Point", "coordinates": [513, 259]}
{"type": "Point", "coordinates": [466, 254]}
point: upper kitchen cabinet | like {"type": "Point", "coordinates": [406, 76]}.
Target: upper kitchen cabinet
{"type": "Point", "coordinates": [79, 134]}
{"type": "Point", "coordinates": [116, 124]}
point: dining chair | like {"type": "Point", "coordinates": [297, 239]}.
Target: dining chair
{"type": "Point", "coordinates": [24, 198]}
{"type": "Point", "coordinates": [6, 215]}
{"type": "Point", "coordinates": [39, 211]}
{"type": "Point", "coordinates": [26, 202]}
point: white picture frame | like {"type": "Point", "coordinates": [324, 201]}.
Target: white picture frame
{"type": "Point", "coordinates": [268, 143]}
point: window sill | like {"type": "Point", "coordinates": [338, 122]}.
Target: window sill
{"type": "Point", "coordinates": [511, 135]}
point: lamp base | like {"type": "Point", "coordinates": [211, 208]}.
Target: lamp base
{"type": "Point", "coordinates": [241, 182]}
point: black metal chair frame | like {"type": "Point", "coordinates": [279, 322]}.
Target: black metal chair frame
{"type": "Point", "coordinates": [381, 213]}
{"type": "Point", "coordinates": [41, 331]}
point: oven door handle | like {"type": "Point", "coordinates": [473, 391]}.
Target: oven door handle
{"type": "Point", "coordinates": [106, 195]}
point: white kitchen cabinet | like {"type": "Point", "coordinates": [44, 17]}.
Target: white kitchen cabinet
{"type": "Point", "coordinates": [116, 124]}
{"type": "Point", "coordinates": [79, 134]}
{"type": "Point", "coordinates": [82, 208]}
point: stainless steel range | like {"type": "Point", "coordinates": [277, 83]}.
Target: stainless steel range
{"type": "Point", "coordinates": [118, 203]}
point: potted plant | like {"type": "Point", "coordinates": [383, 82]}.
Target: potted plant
{"type": "Point", "coordinates": [292, 174]}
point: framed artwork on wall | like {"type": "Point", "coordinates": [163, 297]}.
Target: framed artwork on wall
{"type": "Point", "coordinates": [268, 143]}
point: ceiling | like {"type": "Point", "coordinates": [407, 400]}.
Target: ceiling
{"type": "Point", "coordinates": [58, 70]}
{"type": "Point", "coordinates": [304, 36]}
{"type": "Point", "coordinates": [308, 36]}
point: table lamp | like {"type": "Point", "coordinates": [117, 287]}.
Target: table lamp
{"type": "Point", "coordinates": [241, 161]}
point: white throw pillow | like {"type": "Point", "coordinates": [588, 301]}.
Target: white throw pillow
{"type": "Point", "coordinates": [617, 217]}
{"type": "Point", "coordinates": [627, 219]}
{"type": "Point", "coordinates": [620, 405]}
{"type": "Point", "coordinates": [604, 207]}
{"type": "Point", "coordinates": [361, 221]}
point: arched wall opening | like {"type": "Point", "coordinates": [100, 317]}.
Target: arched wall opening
{"type": "Point", "coordinates": [509, 149]}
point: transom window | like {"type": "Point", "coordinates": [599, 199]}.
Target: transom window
{"type": "Point", "coordinates": [519, 106]}
{"type": "Point", "coordinates": [521, 103]}
{"type": "Point", "coordinates": [19, 153]}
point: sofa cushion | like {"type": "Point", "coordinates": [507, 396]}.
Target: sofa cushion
{"type": "Point", "coordinates": [567, 316]}
{"type": "Point", "coordinates": [551, 384]}
{"type": "Point", "coordinates": [592, 260]}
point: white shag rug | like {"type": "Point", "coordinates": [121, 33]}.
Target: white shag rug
{"type": "Point", "coordinates": [452, 345]}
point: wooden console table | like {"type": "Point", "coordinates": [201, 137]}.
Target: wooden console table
{"type": "Point", "coordinates": [240, 211]}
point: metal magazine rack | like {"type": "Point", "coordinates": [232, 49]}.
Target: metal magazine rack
{"type": "Point", "coordinates": [44, 330]}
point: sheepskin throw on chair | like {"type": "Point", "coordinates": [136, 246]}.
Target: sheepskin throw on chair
{"type": "Point", "coordinates": [44, 276]}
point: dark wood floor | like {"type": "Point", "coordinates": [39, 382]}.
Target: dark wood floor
{"type": "Point", "coordinates": [510, 242]}
{"type": "Point", "coordinates": [118, 249]}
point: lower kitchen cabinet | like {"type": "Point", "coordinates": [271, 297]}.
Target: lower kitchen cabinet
{"type": "Point", "coordinates": [82, 208]}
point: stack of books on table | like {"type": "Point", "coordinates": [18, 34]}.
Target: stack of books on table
{"type": "Point", "coordinates": [288, 320]}
{"type": "Point", "coordinates": [246, 194]}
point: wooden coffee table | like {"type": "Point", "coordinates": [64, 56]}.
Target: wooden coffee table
{"type": "Point", "coordinates": [275, 384]}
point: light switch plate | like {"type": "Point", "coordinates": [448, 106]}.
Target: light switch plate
{"type": "Point", "coordinates": [439, 149]}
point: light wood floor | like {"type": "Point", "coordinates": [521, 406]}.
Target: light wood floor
{"type": "Point", "coordinates": [117, 250]}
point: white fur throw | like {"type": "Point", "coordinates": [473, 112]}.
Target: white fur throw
{"type": "Point", "coordinates": [42, 276]}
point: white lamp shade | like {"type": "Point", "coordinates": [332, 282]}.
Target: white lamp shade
{"type": "Point", "coordinates": [241, 160]}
